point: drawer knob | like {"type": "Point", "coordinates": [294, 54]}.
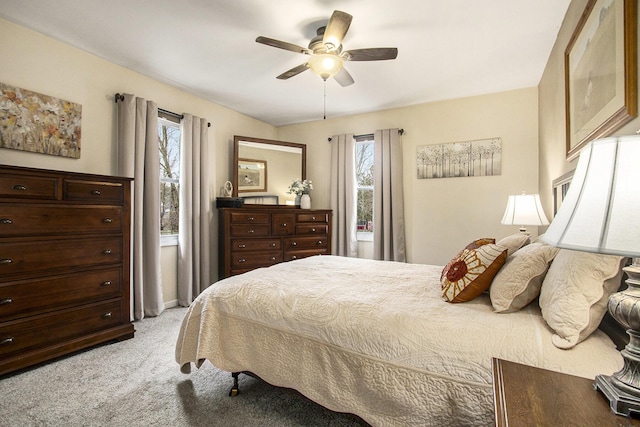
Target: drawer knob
{"type": "Point", "coordinates": [106, 252]}
{"type": "Point", "coordinates": [107, 315]}
{"type": "Point", "coordinates": [242, 246]}
{"type": "Point", "coordinates": [273, 258]}
{"type": "Point", "coordinates": [284, 224]}
{"type": "Point", "coordinates": [251, 231]}
{"type": "Point", "coordinates": [272, 244]}
{"type": "Point", "coordinates": [294, 243]}
{"type": "Point", "coordinates": [294, 257]}
{"type": "Point", "coordinates": [313, 230]}
{"type": "Point", "coordinates": [96, 192]}
{"type": "Point", "coordinates": [7, 341]}
{"type": "Point", "coordinates": [20, 187]}
{"type": "Point", "coordinates": [5, 301]}
{"type": "Point", "coordinates": [6, 261]}
{"type": "Point", "coordinates": [106, 283]}
{"type": "Point", "coordinates": [6, 221]}
{"type": "Point", "coordinates": [107, 220]}
{"type": "Point", "coordinates": [241, 260]}
{"type": "Point", "coordinates": [313, 218]}
{"type": "Point", "coordinates": [250, 218]}
{"type": "Point", "coordinates": [319, 242]}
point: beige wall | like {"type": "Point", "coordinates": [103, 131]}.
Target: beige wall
{"type": "Point", "coordinates": [552, 111]}
{"type": "Point", "coordinates": [34, 62]}
{"type": "Point", "coordinates": [442, 215]}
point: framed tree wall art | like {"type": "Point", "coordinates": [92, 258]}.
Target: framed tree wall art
{"type": "Point", "coordinates": [600, 72]}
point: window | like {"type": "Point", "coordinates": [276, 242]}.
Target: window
{"type": "Point", "coordinates": [364, 186]}
{"type": "Point", "coordinates": [169, 143]}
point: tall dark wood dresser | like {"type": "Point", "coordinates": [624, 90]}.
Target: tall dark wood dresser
{"type": "Point", "coordinates": [254, 237]}
{"type": "Point", "coordinates": [64, 263]}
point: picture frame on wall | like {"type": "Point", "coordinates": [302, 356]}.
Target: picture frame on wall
{"type": "Point", "coordinates": [252, 175]}
{"type": "Point", "coordinates": [600, 73]}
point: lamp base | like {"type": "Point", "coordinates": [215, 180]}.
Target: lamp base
{"type": "Point", "coordinates": [621, 403]}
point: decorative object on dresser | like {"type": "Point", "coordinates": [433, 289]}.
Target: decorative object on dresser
{"type": "Point", "coordinates": [64, 263]}
{"type": "Point", "coordinates": [257, 237]}
{"type": "Point", "coordinates": [599, 214]}
{"type": "Point", "coordinates": [524, 209]}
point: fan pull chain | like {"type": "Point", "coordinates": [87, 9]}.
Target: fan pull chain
{"type": "Point", "coordinates": [325, 100]}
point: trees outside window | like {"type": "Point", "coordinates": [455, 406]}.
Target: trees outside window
{"type": "Point", "coordinates": [364, 183]}
{"type": "Point", "coordinates": [169, 141]}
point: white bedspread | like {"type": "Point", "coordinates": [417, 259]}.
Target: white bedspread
{"type": "Point", "coordinates": [375, 339]}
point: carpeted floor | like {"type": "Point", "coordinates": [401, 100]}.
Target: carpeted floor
{"type": "Point", "coordinates": [137, 383]}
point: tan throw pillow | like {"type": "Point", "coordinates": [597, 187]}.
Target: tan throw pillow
{"type": "Point", "coordinates": [575, 292]}
{"type": "Point", "coordinates": [470, 273]}
{"type": "Point", "coordinates": [515, 242]}
{"type": "Point", "coordinates": [518, 282]}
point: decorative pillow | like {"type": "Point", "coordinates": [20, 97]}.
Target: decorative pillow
{"type": "Point", "coordinates": [473, 245]}
{"type": "Point", "coordinates": [470, 273]}
{"type": "Point", "coordinates": [519, 281]}
{"type": "Point", "coordinates": [515, 242]}
{"type": "Point", "coordinates": [575, 292]}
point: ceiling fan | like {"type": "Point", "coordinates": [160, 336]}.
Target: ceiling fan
{"type": "Point", "coordinates": [326, 52]}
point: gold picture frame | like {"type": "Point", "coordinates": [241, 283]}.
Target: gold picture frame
{"type": "Point", "coordinates": [252, 175]}
{"type": "Point", "coordinates": [600, 73]}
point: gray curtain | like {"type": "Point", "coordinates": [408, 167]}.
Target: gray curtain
{"type": "Point", "coordinates": [195, 210]}
{"type": "Point", "coordinates": [388, 201]}
{"type": "Point", "coordinates": [343, 196]}
{"type": "Point", "coordinates": [138, 157]}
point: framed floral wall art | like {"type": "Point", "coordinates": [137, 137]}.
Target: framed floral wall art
{"type": "Point", "coordinates": [600, 72]}
{"type": "Point", "coordinates": [30, 121]}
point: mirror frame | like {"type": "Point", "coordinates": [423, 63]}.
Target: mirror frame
{"type": "Point", "coordinates": [236, 144]}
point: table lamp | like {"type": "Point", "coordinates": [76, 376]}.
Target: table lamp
{"type": "Point", "coordinates": [524, 209]}
{"type": "Point", "coordinates": [600, 214]}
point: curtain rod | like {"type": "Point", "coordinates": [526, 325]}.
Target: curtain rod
{"type": "Point", "coordinates": [400, 132]}
{"type": "Point", "coordinates": [119, 97]}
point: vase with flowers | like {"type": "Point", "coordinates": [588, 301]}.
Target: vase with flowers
{"type": "Point", "coordinates": [301, 188]}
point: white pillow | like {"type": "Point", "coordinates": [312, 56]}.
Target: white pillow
{"type": "Point", "coordinates": [515, 242]}
{"type": "Point", "coordinates": [519, 281]}
{"type": "Point", "coordinates": [575, 292]}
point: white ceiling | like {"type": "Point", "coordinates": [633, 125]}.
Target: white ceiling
{"type": "Point", "coordinates": [446, 48]}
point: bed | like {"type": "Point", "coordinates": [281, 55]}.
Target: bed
{"type": "Point", "coordinates": [376, 339]}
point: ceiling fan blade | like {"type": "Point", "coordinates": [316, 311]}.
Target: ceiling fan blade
{"type": "Point", "coordinates": [371, 54]}
{"type": "Point", "coordinates": [336, 29]}
{"type": "Point", "coordinates": [283, 45]}
{"type": "Point", "coordinates": [344, 78]}
{"type": "Point", "coordinates": [293, 72]}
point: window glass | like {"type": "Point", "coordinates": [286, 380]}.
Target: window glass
{"type": "Point", "coordinates": [364, 184]}
{"type": "Point", "coordinates": [169, 142]}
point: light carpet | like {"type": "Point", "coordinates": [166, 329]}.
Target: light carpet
{"type": "Point", "coordinates": [137, 382]}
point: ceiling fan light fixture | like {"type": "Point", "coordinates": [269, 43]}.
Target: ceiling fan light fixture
{"type": "Point", "coordinates": [325, 65]}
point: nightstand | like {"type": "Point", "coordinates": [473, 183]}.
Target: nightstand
{"type": "Point", "coordinates": [527, 396]}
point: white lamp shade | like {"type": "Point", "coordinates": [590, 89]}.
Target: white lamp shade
{"type": "Point", "coordinates": [524, 209]}
{"type": "Point", "coordinates": [601, 210]}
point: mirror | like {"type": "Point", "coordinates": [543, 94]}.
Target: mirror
{"type": "Point", "coordinates": [263, 169]}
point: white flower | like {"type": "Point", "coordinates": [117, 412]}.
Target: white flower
{"type": "Point", "coordinates": [299, 187]}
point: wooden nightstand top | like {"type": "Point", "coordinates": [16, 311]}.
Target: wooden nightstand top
{"type": "Point", "coordinates": [528, 396]}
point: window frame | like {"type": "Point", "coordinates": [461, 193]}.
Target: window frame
{"type": "Point", "coordinates": [366, 139]}
{"type": "Point", "coordinates": [169, 120]}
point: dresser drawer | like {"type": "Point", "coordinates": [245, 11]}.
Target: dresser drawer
{"type": "Point", "coordinates": [305, 229]}
{"type": "Point", "coordinates": [313, 217]}
{"type": "Point", "coordinates": [293, 255]}
{"type": "Point", "coordinates": [283, 224]}
{"type": "Point", "coordinates": [244, 245]}
{"type": "Point", "coordinates": [299, 243]}
{"type": "Point", "coordinates": [249, 218]}
{"type": "Point", "coordinates": [40, 331]}
{"type": "Point", "coordinates": [51, 219]}
{"type": "Point", "coordinates": [23, 187]}
{"type": "Point", "coordinates": [27, 297]}
{"type": "Point", "coordinates": [93, 191]}
{"type": "Point", "coordinates": [255, 259]}
{"type": "Point", "coordinates": [249, 230]}
{"type": "Point", "coordinates": [39, 255]}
